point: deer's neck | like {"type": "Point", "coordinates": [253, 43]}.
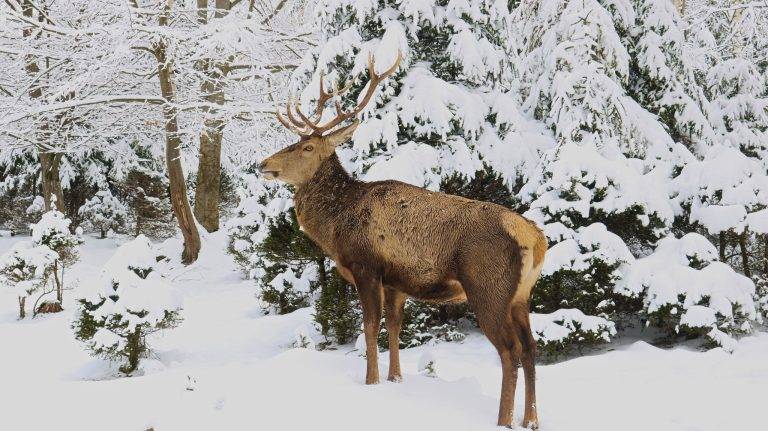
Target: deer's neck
{"type": "Point", "coordinates": [322, 201]}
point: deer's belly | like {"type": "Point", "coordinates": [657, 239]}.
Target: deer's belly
{"type": "Point", "coordinates": [446, 292]}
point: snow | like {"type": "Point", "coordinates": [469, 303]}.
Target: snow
{"type": "Point", "coordinates": [229, 367]}
{"type": "Point", "coordinates": [597, 183]}
{"type": "Point", "coordinates": [593, 242]}
{"type": "Point", "coordinates": [722, 189]}
{"type": "Point", "coordinates": [669, 278]}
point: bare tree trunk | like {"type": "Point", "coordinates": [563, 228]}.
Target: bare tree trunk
{"type": "Point", "coordinates": [722, 237]}
{"type": "Point", "coordinates": [49, 162]}
{"type": "Point", "coordinates": [743, 237]}
{"type": "Point", "coordinates": [207, 194]}
{"type": "Point", "coordinates": [22, 310]}
{"type": "Point", "coordinates": [58, 281]}
{"type": "Point", "coordinates": [51, 181]}
{"type": "Point", "coordinates": [179, 200]}
{"type": "Point", "coordinates": [765, 254]}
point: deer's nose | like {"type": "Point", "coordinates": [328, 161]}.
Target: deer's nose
{"type": "Point", "coordinates": [261, 166]}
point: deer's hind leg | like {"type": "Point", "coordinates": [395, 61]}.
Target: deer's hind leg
{"type": "Point", "coordinates": [510, 357]}
{"type": "Point", "coordinates": [521, 316]}
{"type": "Point", "coordinates": [491, 284]}
{"type": "Point", "coordinates": [394, 303]}
{"type": "Point", "coordinates": [500, 328]}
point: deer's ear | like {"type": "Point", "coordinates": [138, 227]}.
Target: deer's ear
{"type": "Point", "coordinates": [342, 135]}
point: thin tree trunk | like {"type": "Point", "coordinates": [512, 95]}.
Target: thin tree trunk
{"type": "Point", "coordinates": [49, 162]}
{"type": "Point", "coordinates": [134, 351]}
{"type": "Point", "coordinates": [179, 200]}
{"type": "Point", "coordinates": [51, 181]}
{"type": "Point", "coordinates": [722, 237]}
{"type": "Point", "coordinates": [208, 194]}
{"type": "Point", "coordinates": [22, 310]}
{"type": "Point", "coordinates": [744, 252]}
{"type": "Point", "coordinates": [58, 281]}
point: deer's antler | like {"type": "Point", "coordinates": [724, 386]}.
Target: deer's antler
{"type": "Point", "coordinates": [305, 126]}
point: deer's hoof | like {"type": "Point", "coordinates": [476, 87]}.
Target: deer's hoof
{"type": "Point", "coordinates": [395, 378]}
{"type": "Point", "coordinates": [531, 424]}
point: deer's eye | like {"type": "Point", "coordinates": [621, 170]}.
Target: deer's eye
{"type": "Point", "coordinates": [309, 148]}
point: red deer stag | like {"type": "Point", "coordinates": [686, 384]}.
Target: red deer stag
{"type": "Point", "coordinates": [394, 241]}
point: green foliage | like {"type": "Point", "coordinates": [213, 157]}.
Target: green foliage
{"type": "Point", "coordinates": [147, 197]}
{"type": "Point", "coordinates": [486, 185]}
{"type": "Point", "coordinates": [627, 224]}
{"type": "Point", "coordinates": [423, 322]}
{"type": "Point", "coordinates": [18, 183]}
{"type": "Point", "coordinates": [337, 309]}
{"type": "Point", "coordinates": [578, 339]}
{"type": "Point", "coordinates": [285, 248]}
{"type": "Point", "coordinates": [761, 294]}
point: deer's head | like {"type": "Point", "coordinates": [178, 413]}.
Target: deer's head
{"type": "Point", "coordinates": [297, 163]}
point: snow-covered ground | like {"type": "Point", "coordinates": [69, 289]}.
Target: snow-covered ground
{"type": "Point", "coordinates": [228, 367]}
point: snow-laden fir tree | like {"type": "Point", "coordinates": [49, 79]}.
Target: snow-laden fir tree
{"type": "Point", "coordinates": [53, 231]}
{"type": "Point", "coordinates": [27, 269]}
{"type": "Point", "coordinates": [143, 186]}
{"type": "Point", "coordinates": [615, 84]}
{"type": "Point", "coordinates": [595, 196]}
{"type": "Point", "coordinates": [131, 301]}
{"type": "Point", "coordinates": [105, 213]}
{"type": "Point", "coordinates": [732, 39]}
{"type": "Point", "coordinates": [663, 75]}
{"type": "Point", "coordinates": [36, 268]}
{"type": "Point", "coordinates": [686, 291]}
{"type": "Point", "coordinates": [18, 189]}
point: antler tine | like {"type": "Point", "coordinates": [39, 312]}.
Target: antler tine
{"type": "Point", "coordinates": [288, 125]}
{"type": "Point", "coordinates": [393, 68]}
{"type": "Point", "coordinates": [307, 121]}
{"type": "Point", "coordinates": [322, 99]}
{"type": "Point", "coordinates": [289, 106]}
{"type": "Point", "coordinates": [339, 91]}
{"type": "Point", "coordinates": [375, 80]}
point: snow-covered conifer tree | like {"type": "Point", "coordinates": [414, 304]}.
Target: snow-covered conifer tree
{"type": "Point", "coordinates": [27, 269]}
{"type": "Point", "coordinates": [130, 303]}
{"type": "Point", "coordinates": [52, 231]}
{"type": "Point", "coordinates": [18, 180]}
{"type": "Point", "coordinates": [663, 75]}
{"type": "Point", "coordinates": [105, 213]}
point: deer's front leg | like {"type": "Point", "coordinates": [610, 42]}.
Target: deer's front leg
{"type": "Point", "coordinates": [370, 291]}
{"type": "Point", "coordinates": [394, 302]}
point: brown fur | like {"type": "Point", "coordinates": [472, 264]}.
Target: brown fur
{"type": "Point", "coordinates": [394, 240]}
